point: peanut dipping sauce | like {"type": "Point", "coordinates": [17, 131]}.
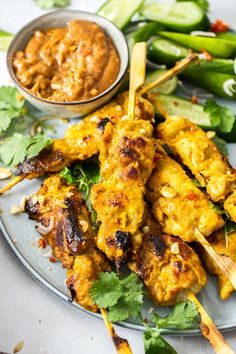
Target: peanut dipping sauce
{"type": "Point", "coordinates": [73, 63]}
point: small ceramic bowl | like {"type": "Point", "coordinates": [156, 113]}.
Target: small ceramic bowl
{"type": "Point", "coordinates": [59, 19]}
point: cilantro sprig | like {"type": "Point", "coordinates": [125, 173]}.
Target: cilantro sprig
{"type": "Point", "coordinates": [49, 4]}
{"type": "Point", "coordinates": [83, 175]}
{"type": "Point", "coordinates": [16, 148]}
{"type": "Point", "coordinates": [123, 298]}
{"type": "Point", "coordinates": [12, 105]}
{"type": "Point", "coordinates": [221, 117]}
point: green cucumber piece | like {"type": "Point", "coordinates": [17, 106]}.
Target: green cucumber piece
{"type": "Point", "coordinates": [213, 82]}
{"type": "Point", "coordinates": [180, 16]}
{"type": "Point", "coordinates": [5, 40]}
{"type": "Point", "coordinates": [119, 12]}
{"type": "Point", "coordinates": [220, 48]}
{"type": "Point", "coordinates": [167, 88]}
{"type": "Point", "coordinates": [143, 33]}
{"type": "Point", "coordinates": [230, 36]}
{"type": "Point", "coordinates": [178, 106]}
{"type": "Point", "coordinates": [163, 51]}
{"type": "Point", "coordinates": [223, 66]}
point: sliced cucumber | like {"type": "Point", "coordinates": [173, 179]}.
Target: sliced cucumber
{"type": "Point", "coordinates": [163, 51]}
{"type": "Point", "coordinates": [180, 16]}
{"type": "Point", "coordinates": [216, 83]}
{"type": "Point", "coordinates": [230, 36]}
{"type": "Point", "coordinates": [5, 40]}
{"type": "Point", "coordinates": [143, 33]}
{"type": "Point", "coordinates": [218, 47]}
{"type": "Point", "coordinates": [119, 11]}
{"type": "Point", "coordinates": [167, 88]}
{"type": "Point", "coordinates": [177, 106]}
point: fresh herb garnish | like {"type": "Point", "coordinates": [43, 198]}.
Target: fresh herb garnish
{"type": "Point", "coordinates": [124, 298]}
{"type": "Point", "coordinates": [11, 106]}
{"type": "Point", "coordinates": [19, 147]}
{"type": "Point", "coordinates": [221, 145]}
{"type": "Point", "coordinates": [83, 175]}
{"type": "Point", "coordinates": [204, 4]}
{"type": "Point", "coordinates": [229, 228]}
{"type": "Point", "coordinates": [221, 117]}
{"type": "Point", "coordinates": [217, 208]}
{"type": "Point", "coordinates": [183, 316]}
{"type": "Point", "coordinates": [48, 4]}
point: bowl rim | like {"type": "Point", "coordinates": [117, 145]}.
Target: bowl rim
{"type": "Point", "coordinates": [123, 56]}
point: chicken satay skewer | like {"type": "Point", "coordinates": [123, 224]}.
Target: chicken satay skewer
{"type": "Point", "coordinates": [122, 345]}
{"type": "Point", "coordinates": [94, 150]}
{"type": "Point", "coordinates": [225, 263]}
{"type": "Point", "coordinates": [209, 329]}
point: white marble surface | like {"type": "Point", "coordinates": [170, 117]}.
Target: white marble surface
{"type": "Point", "coordinates": [32, 314]}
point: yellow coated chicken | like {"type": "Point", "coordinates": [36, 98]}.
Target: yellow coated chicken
{"type": "Point", "coordinates": [178, 205]}
{"type": "Point", "coordinates": [199, 153]}
{"type": "Point", "coordinates": [126, 160]}
{"type": "Point", "coordinates": [168, 267]}
{"type": "Point", "coordinates": [219, 243]}
{"type": "Point", "coordinates": [83, 139]}
{"type": "Point", "coordinates": [64, 222]}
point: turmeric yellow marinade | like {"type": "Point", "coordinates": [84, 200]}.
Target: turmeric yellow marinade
{"type": "Point", "coordinates": [200, 154]}
{"type": "Point", "coordinates": [127, 159]}
{"type": "Point", "coordinates": [64, 222]}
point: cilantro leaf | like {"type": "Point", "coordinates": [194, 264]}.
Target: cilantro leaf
{"type": "Point", "coordinates": [221, 117]}
{"type": "Point", "coordinates": [216, 207]}
{"type": "Point", "coordinates": [83, 175]}
{"type": "Point", "coordinates": [122, 297]}
{"type": "Point", "coordinates": [130, 304]}
{"type": "Point", "coordinates": [183, 316]}
{"type": "Point", "coordinates": [48, 4]}
{"type": "Point", "coordinates": [204, 4]}
{"type": "Point", "coordinates": [106, 290]}
{"type": "Point", "coordinates": [230, 227]}
{"type": "Point", "coordinates": [154, 343]}
{"type": "Point", "coordinates": [18, 147]}
{"type": "Point", "coordinates": [11, 106]}
{"type": "Point", "coordinates": [221, 145]}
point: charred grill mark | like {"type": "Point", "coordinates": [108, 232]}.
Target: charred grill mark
{"type": "Point", "coordinates": [138, 142]}
{"type": "Point", "coordinates": [72, 231]}
{"type": "Point", "coordinates": [123, 240]}
{"type": "Point", "coordinates": [128, 153]}
{"type": "Point", "coordinates": [158, 244]}
{"type": "Point", "coordinates": [59, 238]}
{"type": "Point", "coordinates": [102, 124]}
{"type": "Point", "coordinates": [185, 251]}
{"type": "Point", "coordinates": [72, 292]}
{"type": "Point", "coordinates": [132, 173]}
{"type": "Point", "coordinates": [43, 162]}
{"type": "Point", "coordinates": [119, 342]}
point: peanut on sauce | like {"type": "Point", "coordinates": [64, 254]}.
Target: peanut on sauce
{"type": "Point", "coordinates": [73, 63]}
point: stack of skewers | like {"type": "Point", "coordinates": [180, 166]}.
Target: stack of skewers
{"type": "Point", "coordinates": [148, 208]}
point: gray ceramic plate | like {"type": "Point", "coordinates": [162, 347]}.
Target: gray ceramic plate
{"type": "Point", "coordinates": [20, 234]}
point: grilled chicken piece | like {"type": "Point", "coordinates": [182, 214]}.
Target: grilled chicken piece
{"type": "Point", "coordinates": [126, 159]}
{"type": "Point", "coordinates": [83, 139]}
{"type": "Point", "coordinates": [218, 242]}
{"type": "Point", "coordinates": [64, 222]}
{"type": "Point", "coordinates": [200, 154]}
{"type": "Point", "coordinates": [178, 205]}
{"type": "Point", "coordinates": [168, 267]}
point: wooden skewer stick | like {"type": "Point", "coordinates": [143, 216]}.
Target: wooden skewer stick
{"type": "Point", "coordinates": [122, 345]}
{"type": "Point", "coordinates": [11, 184]}
{"type": "Point", "coordinates": [180, 66]}
{"type": "Point", "coordinates": [209, 329]}
{"type": "Point", "coordinates": [227, 266]}
{"type": "Point", "coordinates": [137, 74]}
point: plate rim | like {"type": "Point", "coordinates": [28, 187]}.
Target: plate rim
{"type": "Point", "coordinates": [46, 284]}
